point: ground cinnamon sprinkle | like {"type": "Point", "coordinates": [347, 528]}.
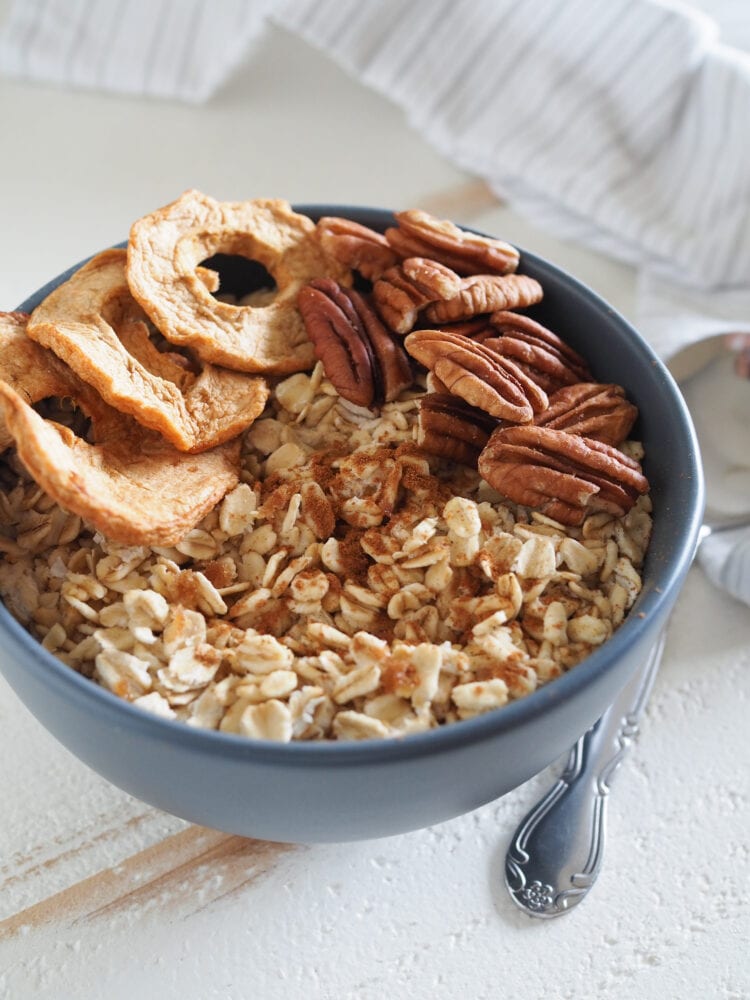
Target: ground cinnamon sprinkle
{"type": "Point", "coordinates": [399, 676]}
{"type": "Point", "coordinates": [428, 486]}
{"type": "Point", "coordinates": [321, 470]}
{"type": "Point", "coordinates": [353, 558]}
{"type": "Point", "coordinates": [185, 590]}
{"type": "Point", "coordinates": [220, 572]}
{"type": "Point", "coordinates": [277, 497]}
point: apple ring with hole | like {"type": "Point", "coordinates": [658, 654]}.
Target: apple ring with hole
{"type": "Point", "coordinates": [95, 326]}
{"type": "Point", "coordinates": [126, 481]}
{"type": "Point", "coordinates": [263, 336]}
{"type": "Point", "coordinates": [33, 372]}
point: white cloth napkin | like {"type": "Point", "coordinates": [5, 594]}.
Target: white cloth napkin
{"type": "Point", "coordinates": [177, 49]}
{"type": "Point", "coordinates": [620, 125]}
{"type": "Point", "coordinates": [725, 559]}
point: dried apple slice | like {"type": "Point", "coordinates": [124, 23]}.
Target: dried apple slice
{"type": "Point", "coordinates": [33, 372]}
{"type": "Point", "coordinates": [166, 247]}
{"type": "Point", "coordinates": [94, 325]}
{"type": "Point", "coordinates": [130, 483]}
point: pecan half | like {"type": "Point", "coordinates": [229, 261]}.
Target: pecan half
{"type": "Point", "coordinates": [403, 291]}
{"type": "Point", "coordinates": [433, 384]}
{"type": "Point", "coordinates": [592, 410]}
{"type": "Point", "coordinates": [483, 379]}
{"type": "Point", "coordinates": [364, 362]}
{"type": "Point", "coordinates": [484, 293]}
{"type": "Point", "coordinates": [563, 475]}
{"type": "Point", "coordinates": [356, 246]}
{"type": "Point", "coordinates": [541, 353]}
{"type": "Point", "coordinates": [450, 428]}
{"type": "Point", "coordinates": [479, 329]}
{"type": "Point", "coordinates": [420, 234]}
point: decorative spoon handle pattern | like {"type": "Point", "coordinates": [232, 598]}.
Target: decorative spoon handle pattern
{"type": "Point", "coordinates": [556, 852]}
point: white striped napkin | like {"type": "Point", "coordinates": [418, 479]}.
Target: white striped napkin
{"type": "Point", "coordinates": [620, 125]}
{"type": "Point", "coordinates": [180, 49]}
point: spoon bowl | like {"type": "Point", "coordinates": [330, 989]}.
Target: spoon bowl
{"type": "Point", "coordinates": [713, 376]}
{"type": "Point", "coordinates": [713, 379]}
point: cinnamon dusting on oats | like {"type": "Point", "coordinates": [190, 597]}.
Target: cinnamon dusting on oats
{"type": "Point", "coordinates": [357, 589]}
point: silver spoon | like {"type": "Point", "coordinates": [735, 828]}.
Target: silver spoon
{"type": "Point", "coordinates": [556, 852]}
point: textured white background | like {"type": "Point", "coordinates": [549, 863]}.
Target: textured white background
{"type": "Point", "coordinates": [420, 916]}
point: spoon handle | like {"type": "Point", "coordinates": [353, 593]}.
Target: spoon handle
{"type": "Point", "coordinates": [556, 852]}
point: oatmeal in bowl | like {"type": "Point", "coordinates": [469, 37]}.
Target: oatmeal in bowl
{"type": "Point", "coordinates": [374, 572]}
{"type": "Point", "coordinates": [390, 506]}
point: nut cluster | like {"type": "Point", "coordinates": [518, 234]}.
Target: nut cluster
{"type": "Point", "coordinates": [508, 396]}
{"type": "Point", "coordinates": [563, 475]}
{"type": "Point", "coordinates": [482, 377]}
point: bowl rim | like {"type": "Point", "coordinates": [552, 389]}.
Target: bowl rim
{"type": "Point", "coordinates": [651, 605]}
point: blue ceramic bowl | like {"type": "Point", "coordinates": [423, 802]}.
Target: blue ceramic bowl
{"type": "Point", "coordinates": [308, 792]}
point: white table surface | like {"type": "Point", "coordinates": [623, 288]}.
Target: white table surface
{"type": "Point", "coordinates": [102, 896]}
